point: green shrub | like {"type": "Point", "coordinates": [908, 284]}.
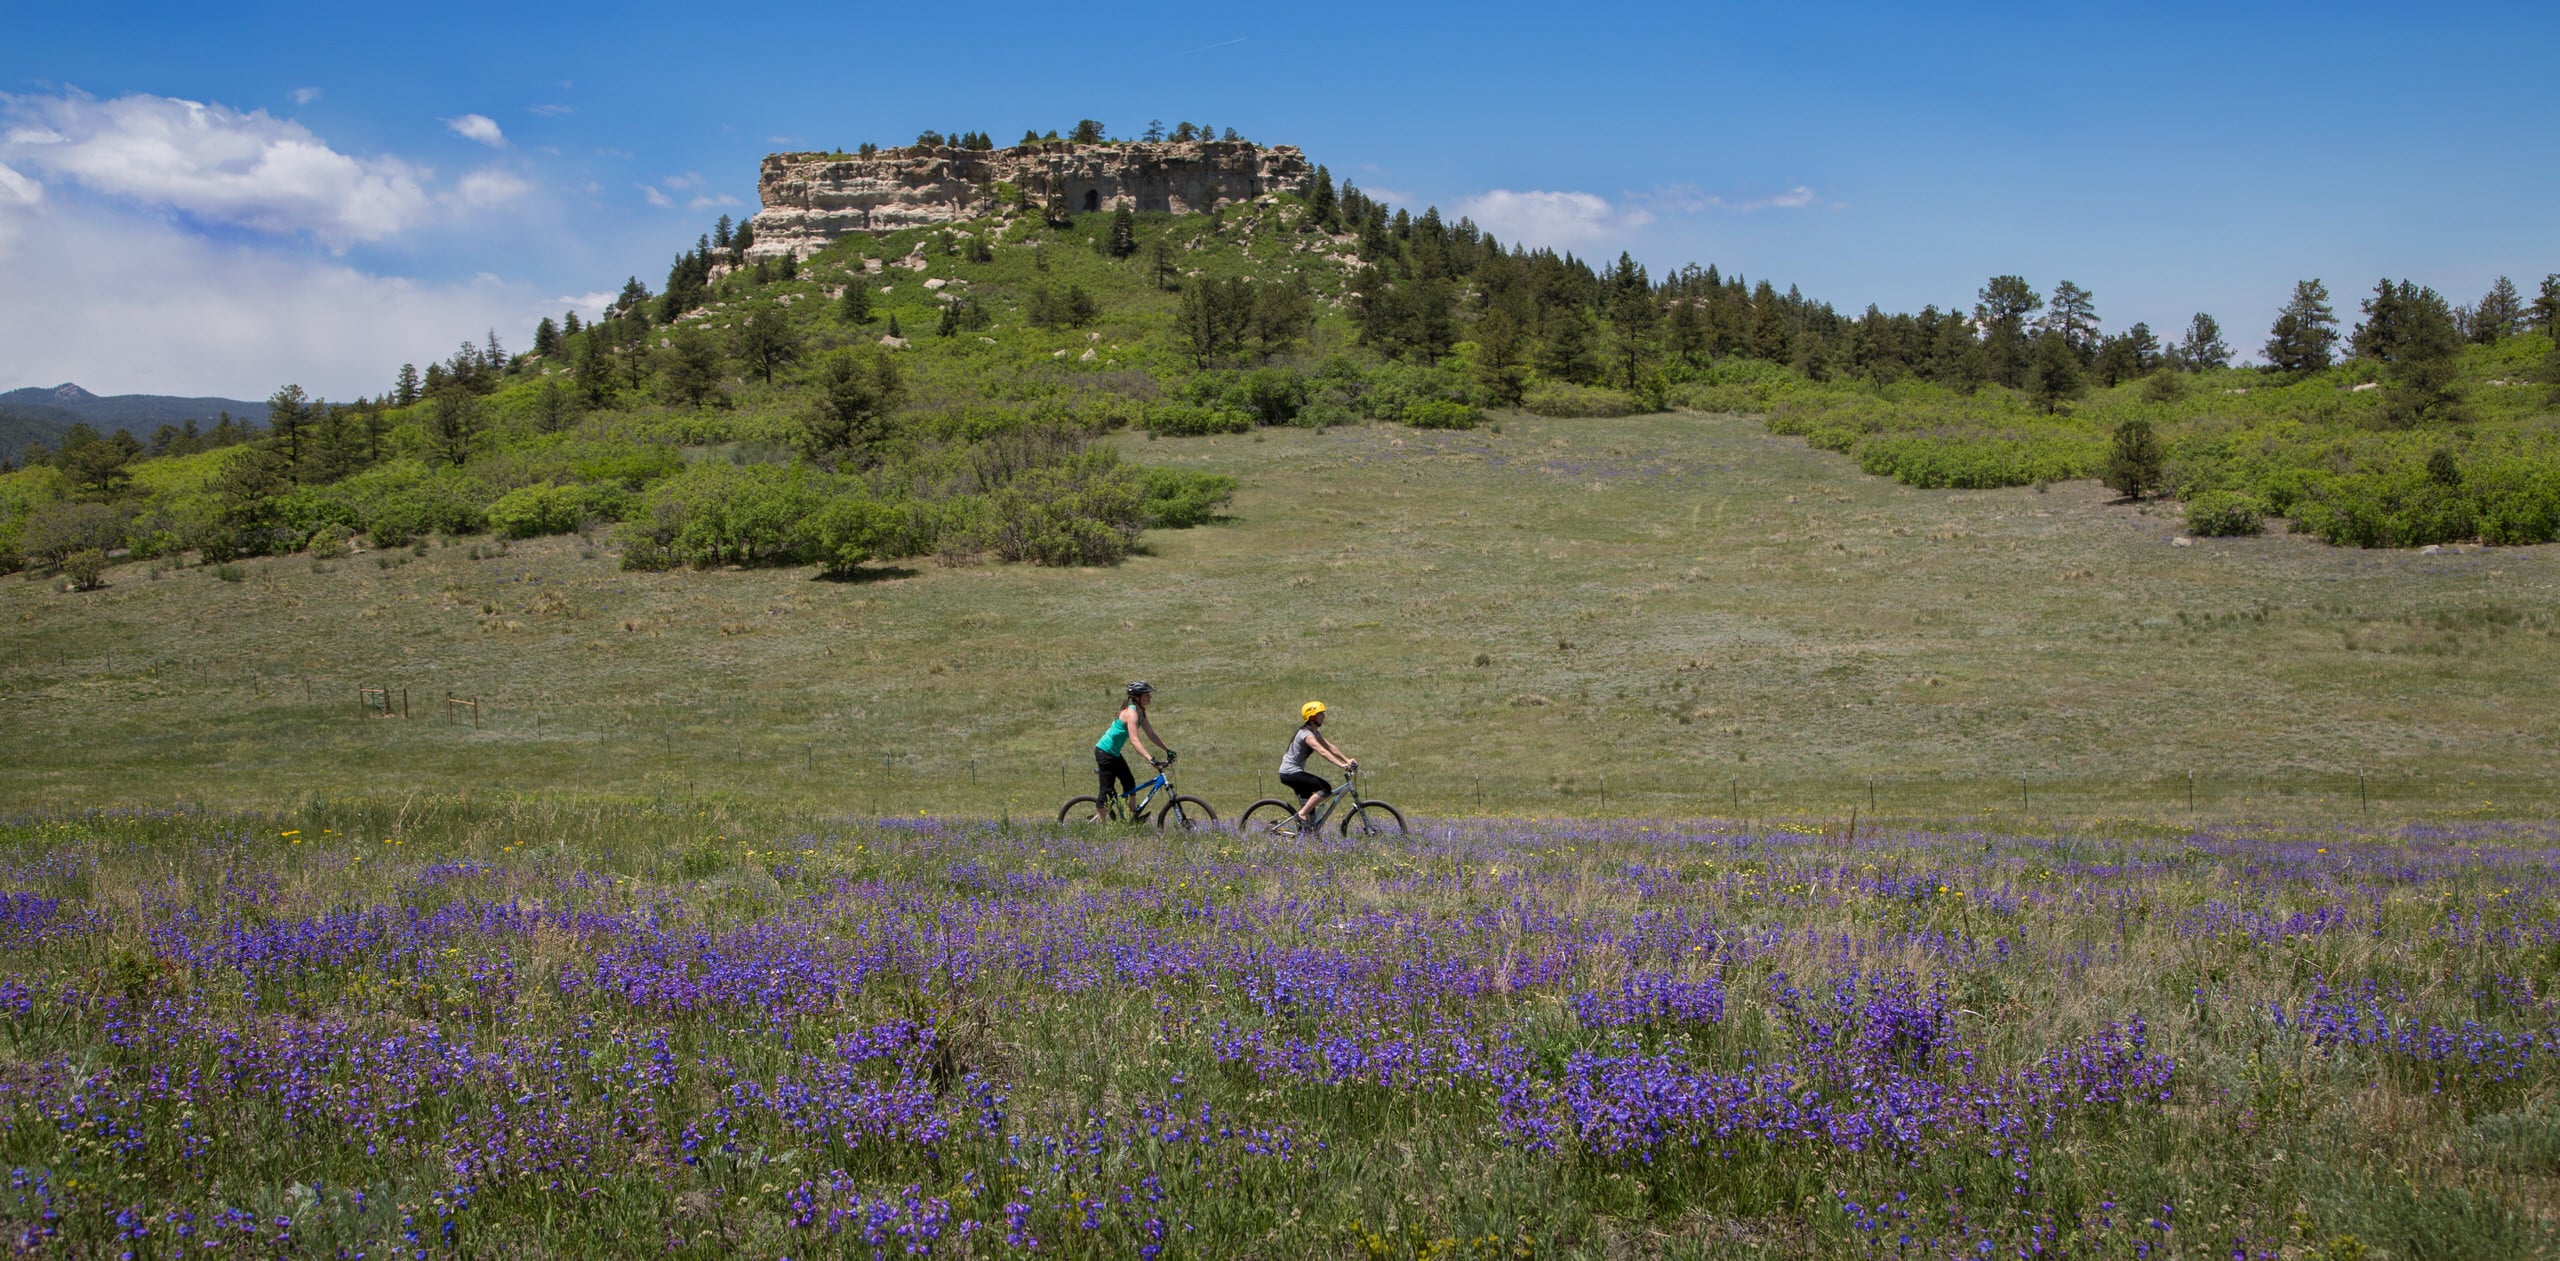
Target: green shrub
{"type": "Point", "coordinates": [230, 573]}
{"type": "Point", "coordinates": [715, 514]}
{"type": "Point", "coordinates": [1193, 420]}
{"type": "Point", "coordinates": [1563, 399]}
{"type": "Point", "coordinates": [1177, 499]}
{"type": "Point", "coordinates": [648, 556]}
{"type": "Point", "coordinates": [329, 542]}
{"type": "Point", "coordinates": [86, 568]}
{"type": "Point", "coordinates": [1394, 389]}
{"type": "Point", "coordinates": [405, 499]}
{"type": "Point", "coordinates": [1086, 511]}
{"type": "Point", "coordinates": [1440, 413]}
{"type": "Point", "coordinates": [533, 511]}
{"type": "Point", "coordinates": [2225, 514]}
{"type": "Point", "coordinates": [849, 531]}
{"type": "Point", "coordinates": [56, 530]}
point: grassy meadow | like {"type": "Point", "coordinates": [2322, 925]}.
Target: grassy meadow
{"type": "Point", "coordinates": [1668, 615]}
{"type": "Point", "coordinates": [431, 1027]}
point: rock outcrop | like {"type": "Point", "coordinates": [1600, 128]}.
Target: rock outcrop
{"type": "Point", "coordinates": [811, 199]}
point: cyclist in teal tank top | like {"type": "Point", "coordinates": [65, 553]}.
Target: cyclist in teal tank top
{"type": "Point", "coordinates": [1110, 768]}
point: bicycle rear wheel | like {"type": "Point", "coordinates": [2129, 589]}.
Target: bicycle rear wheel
{"type": "Point", "coordinates": [1259, 817]}
{"type": "Point", "coordinates": [1185, 813]}
{"type": "Point", "coordinates": [1082, 809]}
{"type": "Point", "coordinates": [1373, 818]}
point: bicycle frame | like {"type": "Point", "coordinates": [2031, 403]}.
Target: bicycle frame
{"type": "Point", "coordinates": [1137, 803]}
{"type": "Point", "coordinates": [1350, 789]}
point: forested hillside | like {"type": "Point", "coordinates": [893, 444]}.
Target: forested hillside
{"type": "Point", "coordinates": [940, 391]}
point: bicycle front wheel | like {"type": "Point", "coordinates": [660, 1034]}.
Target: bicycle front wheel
{"type": "Point", "coordinates": [1259, 817]}
{"type": "Point", "coordinates": [1185, 813]}
{"type": "Point", "coordinates": [1084, 809]}
{"type": "Point", "coordinates": [1373, 818]}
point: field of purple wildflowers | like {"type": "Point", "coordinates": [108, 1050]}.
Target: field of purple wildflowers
{"type": "Point", "coordinates": [436, 1028]}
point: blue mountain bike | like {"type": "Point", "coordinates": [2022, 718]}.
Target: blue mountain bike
{"type": "Point", "coordinates": [1178, 811]}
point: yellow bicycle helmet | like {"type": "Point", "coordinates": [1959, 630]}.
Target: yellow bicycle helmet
{"type": "Point", "coordinates": [1310, 710]}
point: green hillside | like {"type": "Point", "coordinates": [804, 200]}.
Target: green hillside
{"type": "Point", "coordinates": [1666, 615]}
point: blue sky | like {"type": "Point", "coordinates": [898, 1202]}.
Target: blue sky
{"type": "Point", "coordinates": [197, 201]}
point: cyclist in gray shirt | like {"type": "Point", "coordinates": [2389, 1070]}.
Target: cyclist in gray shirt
{"type": "Point", "coordinates": [1311, 788]}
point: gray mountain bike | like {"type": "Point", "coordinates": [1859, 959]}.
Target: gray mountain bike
{"type": "Point", "coordinates": [1273, 816]}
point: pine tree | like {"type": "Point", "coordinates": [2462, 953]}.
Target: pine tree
{"type": "Point", "coordinates": [554, 407]}
{"type": "Point", "coordinates": [2385, 325]}
{"type": "Point", "coordinates": [633, 302]}
{"type": "Point", "coordinates": [2073, 315]}
{"type": "Point", "coordinates": [454, 420]}
{"type": "Point", "coordinates": [855, 308]}
{"type": "Point", "coordinates": [2546, 308]}
{"type": "Point", "coordinates": [1322, 212]}
{"type": "Point", "coordinates": [546, 338]}
{"type": "Point", "coordinates": [2203, 347]}
{"type": "Point", "coordinates": [405, 391]}
{"type": "Point", "coordinates": [1088, 131]}
{"type": "Point", "coordinates": [2423, 376]}
{"type": "Point", "coordinates": [1637, 325]}
{"type": "Point", "coordinates": [1569, 352]}
{"type": "Point", "coordinates": [692, 367]}
{"type": "Point", "coordinates": [1772, 335]}
{"type": "Point", "coordinates": [570, 325]}
{"type": "Point", "coordinates": [2500, 314]}
{"type": "Point", "coordinates": [1155, 131]}
{"type": "Point", "coordinates": [720, 233]}
{"type": "Point", "coordinates": [2053, 371]}
{"type": "Point", "coordinates": [1686, 332]}
{"type": "Point", "coordinates": [766, 339]}
{"type": "Point", "coordinates": [2134, 461]}
{"type": "Point", "coordinates": [858, 388]}
{"type": "Point", "coordinates": [1160, 260]}
{"type": "Point", "coordinates": [1123, 239]}
{"type": "Point", "coordinates": [288, 425]}
{"type": "Point", "coordinates": [2305, 333]}
{"type": "Point", "coordinates": [2001, 308]}
{"type": "Point", "coordinates": [1502, 353]}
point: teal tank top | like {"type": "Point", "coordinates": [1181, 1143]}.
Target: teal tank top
{"type": "Point", "coordinates": [1116, 738]}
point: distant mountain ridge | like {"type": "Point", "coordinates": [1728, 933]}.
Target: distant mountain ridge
{"type": "Point", "coordinates": [44, 414]}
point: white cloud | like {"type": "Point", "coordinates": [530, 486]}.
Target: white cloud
{"type": "Point", "coordinates": [715, 199]}
{"type": "Point", "coordinates": [1558, 220]}
{"type": "Point", "coordinates": [490, 186]}
{"type": "Point", "coordinates": [16, 189]}
{"type": "Point", "coordinates": [589, 305]}
{"type": "Point", "coordinates": [550, 109]}
{"type": "Point", "coordinates": [305, 96]}
{"type": "Point", "coordinates": [217, 164]}
{"type": "Point", "coordinates": [686, 180]}
{"type": "Point", "coordinates": [656, 198]}
{"type": "Point", "coordinates": [1689, 199]}
{"type": "Point", "coordinates": [138, 304]}
{"type": "Point", "coordinates": [478, 127]}
{"type": "Point", "coordinates": [18, 195]}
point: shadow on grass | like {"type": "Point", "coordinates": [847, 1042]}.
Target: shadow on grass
{"type": "Point", "coordinates": [863, 574]}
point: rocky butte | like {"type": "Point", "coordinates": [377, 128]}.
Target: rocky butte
{"type": "Point", "coordinates": [811, 199]}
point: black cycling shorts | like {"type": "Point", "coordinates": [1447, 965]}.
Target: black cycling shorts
{"type": "Point", "coordinates": [1111, 768]}
{"type": "Point", "coordinates": [1305, 784]}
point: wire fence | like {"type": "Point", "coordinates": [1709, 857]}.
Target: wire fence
{"type": "Point", "coordinates": [693, 746]}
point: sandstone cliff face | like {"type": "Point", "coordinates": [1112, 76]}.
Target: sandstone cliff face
{"type": "Point", "coordinates": [811, 199]}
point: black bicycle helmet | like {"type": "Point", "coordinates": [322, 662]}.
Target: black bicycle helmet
{"type": "Point", "coordinates": [1140, 687]}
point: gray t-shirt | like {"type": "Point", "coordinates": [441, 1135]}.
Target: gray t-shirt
{"type": "Point", "coordinates": [1295, 760]}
